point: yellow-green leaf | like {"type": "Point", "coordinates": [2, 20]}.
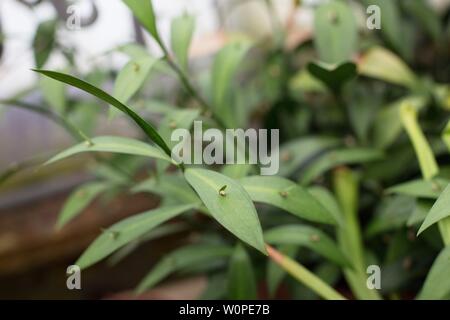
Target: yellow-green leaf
{"type": "Point", "coordinates": [427, 162]}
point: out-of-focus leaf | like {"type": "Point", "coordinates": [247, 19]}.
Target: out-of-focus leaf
{"type": "Point", "coordinates": [337, 158]}
{"type": "Point", "coordinates": [333, 76]}
{"type": "Point", "coordinates": [237, 171]}
{"type": "Point", "coordinates": [393, 213]}
{"type": "Point", "coordinates": [115, 145]}
{"type": "Point", "coordinates": [309, 237]}
{"type": "Point", "coordinates": [420, 212]}
{"type": "Point", "coordinates": [446, 135]}
{"type": "Point", "coordinates": [126, 231]}
{"type": "Point", "coordinates": [346, 188]}
{"type": "Point", "coordinates": [328, 201]}
{"type": "Point", "coordinates": [183, 258]}
{"type": "Point", "coordinates": [181, 35]}
{"type": "Point", "coordinates": [224, 69]}
{"type": "Point", "coordinates": [241, 278]}
{"type": "Point", "coordinates": [275, 274]}
{"type": "Point", "coordinates": [133, 50]}
{"type": "Point", "coordinates": [430, 189]}
{"type": "Point", "coordinates": [143, 11]}
{"type": "Point", "coordinates": [388, 125]}
{"type": "Point", "coordinates": [428, 164]}
{"type": "Point", "coordinates": [392, 27]}
{"type": "Point", "coordinates": [173, 186]}
{"type": "Point", "coordinates": [304, 81]}
{"type": "Point", "coordinates": [380, 63]}
{"type": "Point", "coordinates": [44, 41]}
{"type": "Point", "coordinates": [157, 233]}
{"type": "Point", "coordinates": [439, 211]}
{"type": "Point", "coordinates": [216, 288]}
{"type": "Point", "coordinates": [54, 93]}
{"type": "Point", "coordinates": [288, 196]}
{"type": "Point", "coordinates": [229, 204]}
{"type": "Point", "coordinates": [441, 94]}
{"type": "Point", "coordinates": [429, 19]}
{"type": "Point", "coordinates": [131, 78]}
{"type": "Point", "coordinates": [296, 153]}
{"type": "Point", "coordinates": [89, 88]}
{"type": "Point", "coordinates": [437, 283]}
{"type": "Point", "coordinates": [79, 200]}
{"type": "Point", "coordinates": [336, 32]}
{"type": "Point", "coordinates": [176, 119]}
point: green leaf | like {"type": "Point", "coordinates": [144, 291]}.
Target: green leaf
{"type": "Point", "coordinates": [426, 16]}
{"type": "Point", "coordinates": [176, 119]}
{"type": "Point", "coordinates": [296, 153]}
{"type": "Point", "coordinates": [236, 171]}
{"type": "Point", "coordinates": [126, 231]}
{"type": "Point", "coordinates": [446, 135]}
{"type": "Point", "coordinates": [54, 93]}
{"type": "Point", "coordinates": [288, 196]}
{"type": "Point", "coordinates": [391, 23]}
{"type": "Point", "coordinates": [115, 145]}
{"type": "Point", "coordinates": [183, 258]}
{"type": "Point", "coordinates": [79, 200]}
{"type": "Point", "coordinates": [241, 278]}
{"type": "Point", "coordinates": [420, 212]}
{"type": "Point", "coordinates": [382, 64]}
{"type": "Point", "coordinates": [143, 11]}
{"type": "Point", "coordinates": [388, 125]}
{"type": "Point", "coordinates": [233, 209]}
{"type": "Point", "coordinates": [429, 189]}
{"type": "Point", "coordinates": [173, 186]}
{"type": "Point", "coordinates": [44, 41]}
{"type": "Point", "coordinates": [393, 213]}
{"type": "Point", "coordinates": [336, 32]}
{"type": "Point", "coordinates": [309, 237]}
{"type": "Point", "coordinates": [333, 76]}
{"type": "Point", "coordinates": [89, 88]}
{"type": "Point", "coordinates": [131, 78]}
{"type": "Point", "coordinates": [439, 211]}
{"type": "Point", "coordinates": [181, 35]}
{"type": "Point", "coordinates": [224, 69]}
{"type": "Point", "coordinates": [328, 201]}
{"type": "Point", "coordinates": [337, 158]}
{"type": "Point", "coordinates": [437, 283]}
{"type": "Point", "coordinates": [428, 164]}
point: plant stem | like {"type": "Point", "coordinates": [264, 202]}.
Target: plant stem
{"type": "Point", "coordinates": [349, 236]}
{"type": "Point", "coordinates": [303, 275]}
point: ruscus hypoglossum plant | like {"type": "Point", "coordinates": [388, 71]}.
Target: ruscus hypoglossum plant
{"type": "Point", "coordinates": [364, 177]}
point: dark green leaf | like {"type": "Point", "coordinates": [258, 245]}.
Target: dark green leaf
{"type": "Point", "coordinates": [89, 88]}
{"type": "Point", "coordinates": [333, 76]}
{"type": "Point", "coordinates": [44, 41]}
